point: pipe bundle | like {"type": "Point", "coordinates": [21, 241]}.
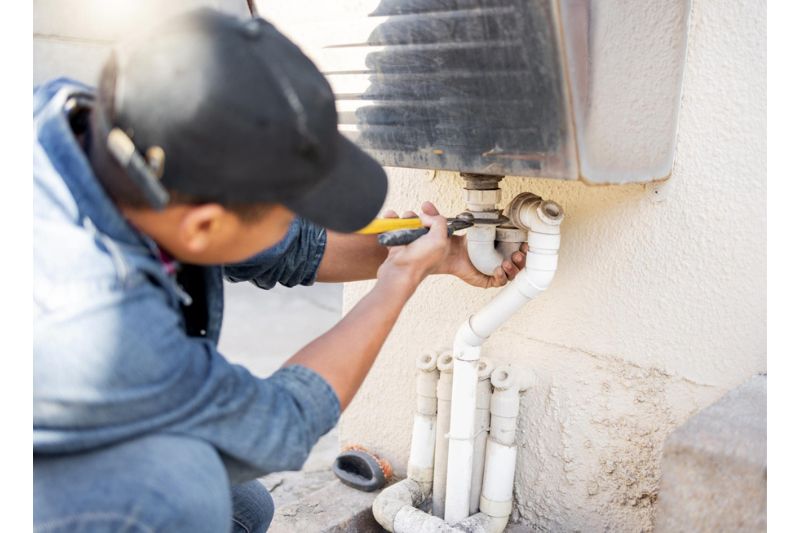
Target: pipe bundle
{"type": "Point", "coordinates": [465, 469]}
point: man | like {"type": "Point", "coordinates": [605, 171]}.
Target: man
{"type": "Point", "coordinates": [210, 149]}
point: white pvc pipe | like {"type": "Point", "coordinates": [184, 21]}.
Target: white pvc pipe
{"type": "Point", "coordinates": [481, 248]}
{"type": "Point", "coordinates": [482, 420]}
{"type": "Point", "coordinates": [412, 520]}
{"type": "Point", "coordinates": [423, 437]}
{"type": "Point", "coordinates": [496, 497]}
{"type": "Point", "coordinates": [541, 263]}
{"type": "Point", "coordinates": [422, 445]}
{"type": "Point", "coordinates": [396, 507]}
{"type": "Point", "coordinates": [498, 481]}
{"type": "Point", "coordinates": [507, 302]}
{"type": "Point", "coordinates": [462, 423]}
{"type": "Point", "coordinates": [542, 220]}
{"type": "Point", "coordinates": [444, 389]}
{"type": "Point", "coordinates": [413, 490]}
{"type": "Point", "coordinates": [395, 498]}
{"type": "Point", "coordinates": [501, 451]}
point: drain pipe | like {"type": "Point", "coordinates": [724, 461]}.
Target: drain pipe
{"type": "Point", "coordinates": [483, 402]}
{"type": "Point", "coordinates": [423, 437]}
{"type": "Point", "coordinates": [482, 194]}
{"type": "Point", "coordinates": [444, 389]}
{"type": "Point", "coordinates": [501, 450]}
{"type": "Point", "coordinates": [542, 219]}
{"type": "Point", "coordinates": [413, 490]}
{"type": "Point", "coordinates": [498, 483]}
{"type": "Point", "coordinates": [482, 420]}
{"type": "Point", "coordinates": [481, 248]}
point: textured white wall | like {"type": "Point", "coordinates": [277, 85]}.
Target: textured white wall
{"type": "Point", "coordinates": [659, 305]}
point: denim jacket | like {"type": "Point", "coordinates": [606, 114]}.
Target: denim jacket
{"type": "Point", "coordinates": [112, 360]}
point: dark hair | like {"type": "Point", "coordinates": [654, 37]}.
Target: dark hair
{"type": "Point", "coordinates": [113, 178]}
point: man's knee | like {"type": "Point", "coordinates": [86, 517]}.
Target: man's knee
{"type": "Point", "coordinates": [197, 499]}
{"type": "Point", "coordinates": [160, 483]}
{"type": "Point", "coordinates": [253, 507]}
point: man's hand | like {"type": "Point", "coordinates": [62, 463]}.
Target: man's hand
{"type": "Point", "coordinates": [424, 256]}
{"type": "Point", "coordinates": [456, 260]}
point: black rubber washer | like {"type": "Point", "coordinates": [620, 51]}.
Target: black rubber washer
{"type": "Point", "coordinates": [359, 470]}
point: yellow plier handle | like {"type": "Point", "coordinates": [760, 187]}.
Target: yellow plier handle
{"type": "Point", "coordinates": [382, 225]}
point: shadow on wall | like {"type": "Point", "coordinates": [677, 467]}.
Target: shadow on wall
{"type": "Point", "coordinates": [470, 85]}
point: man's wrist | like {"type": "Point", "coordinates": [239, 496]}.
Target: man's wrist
{"type": "Point", "coordinates": [398, 281]}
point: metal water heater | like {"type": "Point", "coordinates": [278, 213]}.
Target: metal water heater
{"type": "Point", "coordinates": [565, 89]}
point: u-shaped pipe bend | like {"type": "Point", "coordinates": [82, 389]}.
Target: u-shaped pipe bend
{"type": "Point", "coordinates": [481, 248]}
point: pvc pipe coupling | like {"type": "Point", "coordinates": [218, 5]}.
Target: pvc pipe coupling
{"type": "Point", "coordinates": [482, 194]}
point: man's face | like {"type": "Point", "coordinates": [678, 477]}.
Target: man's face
{"type": "Point", "coordinates": [209, 233]}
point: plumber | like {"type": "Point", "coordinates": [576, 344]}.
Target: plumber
{"type": "Point", "coordinates": [209, 150]}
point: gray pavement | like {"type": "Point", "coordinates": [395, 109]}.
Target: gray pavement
{"type": "Point", "coordinates": [261, 329]}
{"type": "Point", "coordinates": [714, 466]}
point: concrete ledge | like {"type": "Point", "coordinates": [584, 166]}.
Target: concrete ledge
{"type": "Point", "coordinates": [714, 466]}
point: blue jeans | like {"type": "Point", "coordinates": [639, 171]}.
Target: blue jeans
{"type": "Point", "coordinates": [150, 484]}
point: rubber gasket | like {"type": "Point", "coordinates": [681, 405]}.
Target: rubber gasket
{"type": "Point", "coordinates": [359, 470]}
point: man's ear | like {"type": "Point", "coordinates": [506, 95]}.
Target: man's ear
{"type": "Point", "coordinates": [200, 225]}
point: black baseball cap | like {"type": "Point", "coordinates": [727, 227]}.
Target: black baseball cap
{"type": "Point", "coordinates": [238, 114]}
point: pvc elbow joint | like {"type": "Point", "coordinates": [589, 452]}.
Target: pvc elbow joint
{"type": "Point", "coordinates": [530, 282]}
{"type": "Point", "coordinates": [467, 344]}
{"type": "Point", "coordinates": [389, 503]}
{"type": "Point", "coordinates": [530, 212]}
{"type": "Point", "coordinates": [542, 219]}
{"type": "Point", "coordinates": [506, 377]}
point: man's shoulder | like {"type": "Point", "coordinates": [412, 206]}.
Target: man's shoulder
{"type": "Point", "coordinates": [64, 249]}
{"type": "Point", "coordinates": [44, 93]}
{"type": "Point", "coordinates": [51, 196]}
{"type": "Point", "coordinates": [75, 262]}
{"type": "Point", "coordinates": [72, 257]}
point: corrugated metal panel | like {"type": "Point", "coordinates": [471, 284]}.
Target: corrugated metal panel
{"type": "Point", "coordinates": [469, 85]}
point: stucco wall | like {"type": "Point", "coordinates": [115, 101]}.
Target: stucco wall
{"type": "Point", "coordinates": [658, 307]}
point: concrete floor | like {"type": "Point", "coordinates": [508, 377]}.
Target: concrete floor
{"type": "Point", "coordinates": [261, 329]}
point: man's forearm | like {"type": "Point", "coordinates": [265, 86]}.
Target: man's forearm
{"type": "Point", "coordinates": [344, 355]}
{"type": "Point", "coordinates": [350, 257]}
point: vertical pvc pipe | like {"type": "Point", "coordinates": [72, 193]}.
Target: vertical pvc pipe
{"type": "Point", "coordinates": [482, 419]}
{"type": "Point", "coordinates": [501, 450]}
{"type": "Point", "coordinates": [444, 390]}
{"type": "Point", "coordinates": [423, 437]}
{"type": "Point", "coordinates": [413, 490]}
{"type": "Point", "coordinates": [498, 481]}
{"type": "Point", "coordinates": [462, 423]}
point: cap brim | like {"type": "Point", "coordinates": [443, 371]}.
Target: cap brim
{"type": "Point", "coordinates": [350, 196]}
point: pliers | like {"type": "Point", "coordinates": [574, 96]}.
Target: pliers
{"type": "Point", "coordinates": [412, 229]}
